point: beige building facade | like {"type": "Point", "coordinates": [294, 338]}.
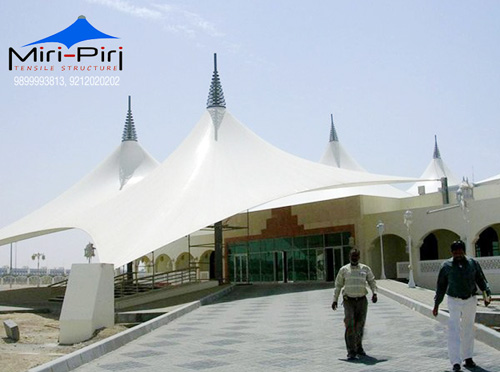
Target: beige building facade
{"type": "Point", "coordinates": [311, 241]}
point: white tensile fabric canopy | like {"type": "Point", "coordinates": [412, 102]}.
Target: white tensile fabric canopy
{"type": "Point", "coordinates": [335, 155]}
{"type": "Point", "coordinates": [125, 166]}
{"type": "Point", "coordinates": [218, 171]}
{"type": "Point", "coordinates": [436, 169]}
{"type": "Point", "coordinates": [488, 181]}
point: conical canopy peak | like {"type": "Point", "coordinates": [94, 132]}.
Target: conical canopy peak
{"type": "Point", "coordinates": [129, 133]}
{"type": "Point", "coordinates": [436, 154]}
{"type": "Point", "coordinates": [333, 132]}
{"type": "Point", "coordinates": [215, 94]}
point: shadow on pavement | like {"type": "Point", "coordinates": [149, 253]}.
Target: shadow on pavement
{"type": "Point", "coordinates": [477, 369]}
{"type": "Point", "coordinates": [367, 360]}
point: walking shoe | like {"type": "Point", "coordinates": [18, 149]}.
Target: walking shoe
{"type": "Point", "coordinates": [351, 356]}
{"type": "Point", "coordinates": [456, 367]}
{"type": "Point", "coordinates": [469, 363]}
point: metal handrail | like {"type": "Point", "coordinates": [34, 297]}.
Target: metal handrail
{"type": "Point", "coordinates": [132, 283]}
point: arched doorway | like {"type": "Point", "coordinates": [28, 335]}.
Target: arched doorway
{"type": "Point", "coordinates": [429, 248]}
{"type": "Point", "coordinates": [183, 261]}
{"type": "Point", "coordinates": [394, 252]}
{"type": "Point", "coordinates": [206, 264]}
{"type": "Point", "coordinates": [487, 244]}
{"type": "Point", "coordinates": [436, 245]}
{"type": "Point", "coordinates": [163, 263]}
{"type": "Point", "coordinates": [144, 265]}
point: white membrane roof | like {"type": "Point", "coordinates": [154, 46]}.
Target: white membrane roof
{"type": "Point", "coordinates": [489, 181]}
{"type": "Point", "coordinates": [435, 170]}
{"type": "Point", "coordinates": [335, 155]}
{"type": "Point", "coordinates": [219, 170]}
{"type": "Point", "coordinates": [124, 167]}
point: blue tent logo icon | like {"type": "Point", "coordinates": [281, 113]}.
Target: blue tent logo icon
{"type": "Point", "coordinates": [80, 30]}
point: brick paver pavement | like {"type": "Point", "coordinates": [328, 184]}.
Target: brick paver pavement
{"type": "Point", "coordinates": [426, 296]}
{"type": "Point", "coordinates": [288, 328]}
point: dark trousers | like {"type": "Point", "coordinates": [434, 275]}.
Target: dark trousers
{"type": "Point", "coordinates": [355, 310]}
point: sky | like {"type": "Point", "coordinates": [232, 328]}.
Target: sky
{"type": "Point", "coordinates": [393, 73]}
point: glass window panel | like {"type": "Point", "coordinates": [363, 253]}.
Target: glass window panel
{"type": "Point", "coordinates": [300, 242]}
{"type": "Point", "coordinates": [240, 268]}
{"type": "Point", "coordinates": [300, 265]}
{"type": "Point", "coordinates": [315, 241]}
{"type": "Point", "coordinates": [312, 264]}
{"type": "Point", "coordinates": [254, 246]}
{"type": "Point", "coordinates": [283, 244]}
{"type": "Point", "coordinates": [231, 268]}
{"type": "Point", "coordinates": [337, 261]}
{"type": "Point", "coordinates": [254, 267]}
{"type": "Point", "coordinates": [238, 248]}
{"type": "Point", "coordinates": [496, 250]}
{"type": "Point", "coordinates": [345, 238]}
{"type": "Point", "coordinates": [320, 264]}
{"type": "Point", "coordinates": [333, 240]}
{"type": "Point", "coordinates": [267, 245]}
{"type": "Point", "coordinates": [278, 266]}
{"type": "Point", "coordinates": [291, 267]}
{"type": "Point", "coordinates": [478, 250]}
{"type": "Point", "coordinates": [267, 267]}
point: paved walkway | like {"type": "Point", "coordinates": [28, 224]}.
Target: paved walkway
{"type": "Point", "coordinates": [288, 328]}
{"type": "Point", "coordinates": [426, 296]}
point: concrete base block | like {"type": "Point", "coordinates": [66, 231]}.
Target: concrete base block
{"type": "Point", "coordinates": [11, 329]}
{"type": "Point", "coordinates": [88, 304]}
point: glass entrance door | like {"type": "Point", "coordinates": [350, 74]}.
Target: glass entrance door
{"type": "Point", "coordinates": [334, 260]}
{"type": "Point", "coordinates": [240, 265]}
{"type": "Point", "coordinates": [280, 266]}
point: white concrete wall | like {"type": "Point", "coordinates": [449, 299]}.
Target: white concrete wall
{"type": "Point", "coordinates": [428, 273]}
{"type": "Point", "coordinates": [88, 303]}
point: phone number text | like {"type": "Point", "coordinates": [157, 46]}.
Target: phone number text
{"type": "Point", "coordinates": [63, 81]}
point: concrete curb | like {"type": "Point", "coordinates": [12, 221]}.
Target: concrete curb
{"type": "Point", "coordinates": [98, 349]}
{"type": "Point", "coordinates": [483, 333]}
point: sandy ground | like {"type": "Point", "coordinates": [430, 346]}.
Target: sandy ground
{"type": "Point", "coordinates": [40, 332]}
{"type": "Point", "coordinates": [38, 342]}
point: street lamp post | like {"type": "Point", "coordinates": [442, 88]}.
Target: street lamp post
{"type": "Point", "coordinates": [89, 252]}
{"type": "Point", "coordinates": [380, 229]}
{"type": "Point", "coordinates": [37, 256]}
{"type": "Point", "coordinates": [464, 196]}
{"type": "Point", "coordinates": [408, 220]}
{"type": "Point", "coordinates": [10, 268]}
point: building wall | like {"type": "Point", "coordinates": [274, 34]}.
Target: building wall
{"type": "Point", "coordinates": [447, 223]}
{"type": "Point", "coordinates": [360, 215]}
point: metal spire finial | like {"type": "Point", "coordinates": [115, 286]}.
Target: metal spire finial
{"type": "Point", "coordinates": [436, 155]}
{"type": "Point", "coordinates": [333, 132]}
{"type": "Point", "coordinates": [215, 94]}
{"type": "Point", "coordinates": [129, 133]}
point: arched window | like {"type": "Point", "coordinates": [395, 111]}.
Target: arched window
{"type": "Point", "coordinates": [429, 249]}
{"type": "Point", "coordinates": [487, 244]}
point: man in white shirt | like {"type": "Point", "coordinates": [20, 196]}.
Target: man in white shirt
{"type": "Point", "coordinates": [353, 278]}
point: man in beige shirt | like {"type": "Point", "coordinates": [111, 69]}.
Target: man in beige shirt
{"type": "Point", "coordinates": [353, 278]}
